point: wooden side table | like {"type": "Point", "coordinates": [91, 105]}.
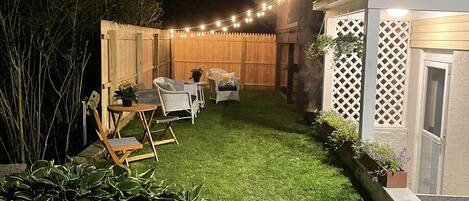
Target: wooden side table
{"type": "Point", "coordinates": [200, 90]}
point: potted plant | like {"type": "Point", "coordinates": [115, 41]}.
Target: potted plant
{"type": "Point", "coordinates": [340, 45]}
{"type": "Point", "coordinates": [127, 92]}
{"type": "Point", "coordinates": [196, 74]}
{"type": "Point", "coordinates": [382, 162]}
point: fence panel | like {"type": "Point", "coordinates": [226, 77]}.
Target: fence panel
{"type": "Point", "coordinates": [250, 56]}
{"type": "Point", "coordinates": [131, 53]}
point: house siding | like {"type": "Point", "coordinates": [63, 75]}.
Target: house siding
{"type": "Point", "coordinates": [456, 161]}
{"type": "Point", "coordinates": [441, 33]}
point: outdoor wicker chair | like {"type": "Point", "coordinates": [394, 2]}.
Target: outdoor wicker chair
{"type": "Point", "coordinates": [177, 96]}
{"type": "Point", "coordinates": [219, 92]}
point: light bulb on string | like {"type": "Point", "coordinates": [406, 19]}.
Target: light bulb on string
{"type": "Point", "coordinates": [225, 29]}
{"type": "Point", "coordinates": [212, 31]}
{"type": "Point", "coordinates": [236, 19]}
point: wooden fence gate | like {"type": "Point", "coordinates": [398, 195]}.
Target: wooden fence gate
{"type": "Point", "coordinates": [131, 53]}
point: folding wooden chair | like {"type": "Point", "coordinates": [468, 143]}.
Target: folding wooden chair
{"type": "Point", "coordinates": [119, 149]}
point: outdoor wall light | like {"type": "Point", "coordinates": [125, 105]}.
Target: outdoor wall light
{"type": "Point", "coordinates": [396, 12]}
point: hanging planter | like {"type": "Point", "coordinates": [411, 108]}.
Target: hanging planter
{"type": "Point", "coordinates": [341, 45]}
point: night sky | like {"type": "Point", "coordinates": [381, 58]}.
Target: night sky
{"type": "Point", "coordinates": [182, 13]}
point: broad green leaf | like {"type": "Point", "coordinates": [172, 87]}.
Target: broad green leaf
{"type": "Point", "coordinates": [93, 179]}
{"type": "Point", "coordinates": [41, 164]}
{"type": "Point", "coordinates": [22, 185]}
{"type": "Point", "coordinates": [128, 185]}
{"type": "Point", "coordinates": [119, 170]}
{"type": "Point", "coordinates": [148, 174]}
{"type": "Point", "coordinates": [40, 172]}
{"type": "Point", "coordinates": [46, 181]}
{"type": "Point", "coordinates": [82, 192]}
{"type": "Point", "coordinates": [100, 194]}
{"type": "Point", "coordinates": [22, 195]}
{"type": "Point", "coordinates": [43, 198]}
{"type": "Point", "coordinates": [194, 194]}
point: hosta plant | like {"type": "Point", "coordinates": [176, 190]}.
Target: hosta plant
{"type": "Point", "coordinates": [46, 181]}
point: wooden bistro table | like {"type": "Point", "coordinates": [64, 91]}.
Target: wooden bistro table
{"type": "Point", "coordinates": [140, 109]}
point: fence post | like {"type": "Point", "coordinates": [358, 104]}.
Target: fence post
{"type": "Point", "coordinates": [156, 54]}
{"type": "Point", "coordinates": [278, 65]}
{"type": "Point", "coordinates": [112, 61]}
{"type": "Point", "coordinates": [112, 72]}
{"type": "Point", "coordinates": [243, 63]}
{"type": "Point", "coordinates": [139, 64]}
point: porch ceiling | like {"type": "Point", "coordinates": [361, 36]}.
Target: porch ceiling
{"type": "Point", "coordinates": [423, 5]}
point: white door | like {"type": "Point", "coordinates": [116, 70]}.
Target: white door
{"type": "Point", "coordinates": [433, 127]}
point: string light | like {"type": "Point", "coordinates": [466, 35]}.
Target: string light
{"type": "Point", "coordinates": [234, 21]}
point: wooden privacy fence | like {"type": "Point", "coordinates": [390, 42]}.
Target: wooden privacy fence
{"type": "Point", "coordinates": [250, 56]}
{"type": "Point", "coordinates": [131, 53]}
{"type": "Point", "coordinates": [140, 54]}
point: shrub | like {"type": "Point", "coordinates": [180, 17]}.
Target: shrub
{"type": "Point", "coordinates": [46, 181]}
{"type": "Point", "coordinates": [346, 130]}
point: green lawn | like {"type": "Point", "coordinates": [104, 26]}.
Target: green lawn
{"type": "Point", "coordinates": [254, 150]}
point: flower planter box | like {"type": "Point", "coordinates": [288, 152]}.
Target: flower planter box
{"type": "Point", "coordinates": [394, 180]}
{"type": "Point", "coordinates": [369, 163]}
{"type": "Point", "coordinates": [345, 153]}
{"type": "Point", "coordinates": [324, 131]}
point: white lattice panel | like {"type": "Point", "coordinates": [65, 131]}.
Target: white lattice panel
{"type": "Point", "coordinates": [391, 80]}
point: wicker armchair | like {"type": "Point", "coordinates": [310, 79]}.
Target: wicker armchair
{"type": "Point", "coordinates": [218, 92]}
{"type": "Point", "coordinates": [177, 96]}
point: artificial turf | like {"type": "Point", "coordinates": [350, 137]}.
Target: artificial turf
{"type": "Point", "coordinates": [257, 149]}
